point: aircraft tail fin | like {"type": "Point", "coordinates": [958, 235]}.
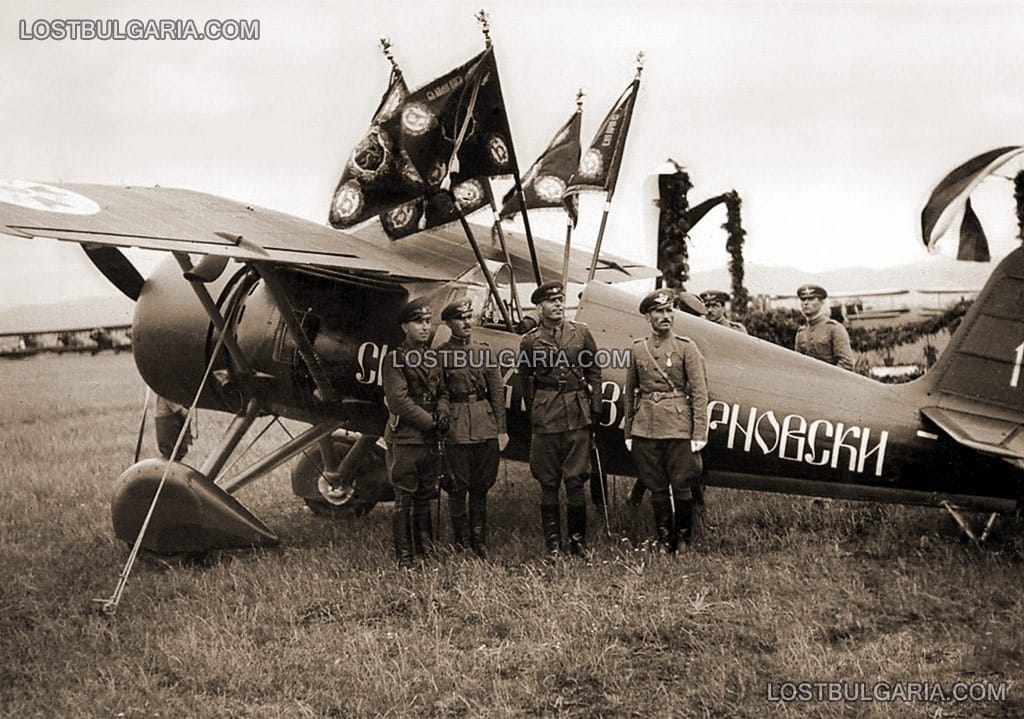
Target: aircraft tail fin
{"type": "Point", "coordinates": [976, 389]}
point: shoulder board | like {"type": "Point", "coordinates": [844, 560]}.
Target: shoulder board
{"type": "Point", "coordinates": [639, 340]}
{"type": "Point", "coordinates": [580, 324]}
{"type": "Point", "coordinates": [682, 339]}
{"type": "Point", "coordinates": [532, 331]}
{"type": "Point", "coordinates": [831, 321]}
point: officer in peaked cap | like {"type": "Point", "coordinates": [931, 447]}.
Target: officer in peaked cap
{"type": "Point", "coordinates": [690, 303]}
{"type": "Point", "coordinates": [665, 423]}
{"type": "Point", "coordinates": [822, 337]}
{"type": "Point", "coordinates": [477, 433]}
{"type": "Point", "coordinates": [417, 402]}
{"type": "Point", "coordinates": [562, 387]}
{"type": "Point", "coordinates": [547, 291]}
{"type": "Point", "coordinates": [715, 301]}
{"type": "Point", "coordinates": [415, 311]}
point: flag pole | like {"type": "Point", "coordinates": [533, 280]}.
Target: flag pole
{"type": "Point", "coordinates": [485, 27]}
{"type": "Point", "coordinates": [615, 178]}
{"type": "Point", "coordinates": [568, 217]}
{"type": "Point", "coordinates": [504, 247]}
{"type": "Point", "coordinates": [483, 263]}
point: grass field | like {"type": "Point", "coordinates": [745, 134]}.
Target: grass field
{"type": "Point", "coordinates": [782, 591]}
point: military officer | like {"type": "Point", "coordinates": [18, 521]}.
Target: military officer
{"type": "Point", "coordinates": [822, 337]}
{"type": "Point", "coordinates": [666, 399]}
{"type": "Point", "coordinates": [715, 301]}
{"type": "Point", "coordinates": [562, 388]}
{"type": "Point", "coordinates": [477, 432]}
{"type": "Point", "coordinates": [417, 403]}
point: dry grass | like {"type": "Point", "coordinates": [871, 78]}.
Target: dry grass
{"type": "Point", "coordinates": [327, 626]}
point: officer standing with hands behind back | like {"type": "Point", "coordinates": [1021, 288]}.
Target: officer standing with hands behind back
{"type": "Point", "coordinates": [562, 389]}
{"type": "Point", "coordinates": [666, 399]}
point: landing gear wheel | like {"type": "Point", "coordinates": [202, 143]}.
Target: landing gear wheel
{"type": "Point", "coordinates": [370, 480]}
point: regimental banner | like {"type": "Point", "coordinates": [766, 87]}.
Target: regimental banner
{"type": "Point", "coordinates": [599, 167]}
{"type": "Point", "coordinates": [378, 175]}
{"type": "Point", "coordinates": [457, 125]}
{"type": "Point", "coordinates": [425, 212]}
{"type": "Point", "coordinates": [545, 182]}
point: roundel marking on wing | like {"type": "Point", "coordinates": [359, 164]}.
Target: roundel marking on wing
{"type": "Point", "coordinates": [37, 196]}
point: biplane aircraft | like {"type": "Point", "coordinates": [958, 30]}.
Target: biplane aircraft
{"type": "Point", "coordinates": [257, 313]}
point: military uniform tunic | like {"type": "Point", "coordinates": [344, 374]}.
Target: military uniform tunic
{"type": "Point", "coordinates": [666, 402]}
{"type": "Point", "coordinates": [556, 365]}
{"type": "Point", "coordinates": [726, 322]}
{"type": "Point", "coordinates": [413, 391]}
{"type": "Point", "coordinates": [477, 405]}
{"type": "Point", "coordinates": [825, 339]}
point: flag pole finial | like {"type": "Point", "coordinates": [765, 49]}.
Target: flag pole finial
{"type": "Point", "coordinates": [385, 47]}
{"type": "Point", "coordinates": [485, 26]}
{"type": "Point", "coordinates": [639, 63]}
{"type": "Point", "coordinates": [579, 100]}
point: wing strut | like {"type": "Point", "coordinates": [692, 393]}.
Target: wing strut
{"type": "Point", "coordinates": [324, 390]}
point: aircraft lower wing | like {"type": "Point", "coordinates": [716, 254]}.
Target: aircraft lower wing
{"type": "Point", "coordinates": [160, 218]}
{"type": "Point", "coordinates": [993, 435]}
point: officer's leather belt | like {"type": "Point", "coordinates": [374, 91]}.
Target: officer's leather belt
{"type": "Point", "coordinates": [560, 386]}
{"type": "Point", "coordinates": [469, 397]}
{"type": "Point", "coordinates": [658, 396]}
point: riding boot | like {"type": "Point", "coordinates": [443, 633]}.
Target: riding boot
{"type": "Point", "coordinates": [576, 525]}
{"type": "Point", "coordinates": [478, 525]}
{"type": "Point", "coordinates": [551, 525]}
{"type": "Point", "coordinates": [459, 527]}
{"type": "Point", "coordinates": [666, 534]}
{"type": "Point", "coordinates": [636, 494]}
{"type": "Point", "coordinates": [423, 534]}
{"type": "Point", "coordinates": [684, 520]}
{"type": "Point", "coordinates": [401, 531]}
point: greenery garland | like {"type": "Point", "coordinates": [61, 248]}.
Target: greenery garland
{"type": "Point", "coordinates": [734, 245]}
{"type": "Point", "coordinates": [780, 326]}
{"type": "Point", "coordinates": [673, 254]}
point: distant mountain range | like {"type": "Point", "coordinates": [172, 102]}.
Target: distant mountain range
{"type": "Point", "coordinates": [934, 273]}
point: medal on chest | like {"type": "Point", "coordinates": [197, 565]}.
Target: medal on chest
{"type": "Point", "coordinates": [668, 359]}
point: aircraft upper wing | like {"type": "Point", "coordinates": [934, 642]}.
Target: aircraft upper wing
{"type": "Point", "coordinates": [172, 219]}
{"type": "Point", "coordinates": [182, 220]}
{"type": "Point", "coordinates": [443, 245]}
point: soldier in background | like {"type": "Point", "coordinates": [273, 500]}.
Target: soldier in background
{"type": "Point", "coordinates": [822, 337]}
{"type": "Point", "coordinates": [477, 433]}
{"type": "Point", "coordinates": [563, 396]}
{"type": "Point", "coordinates": [665, 423]}
{"type": "Point", "coordinates": [714, 301]}
{"type": "Point", "coordinates": [170, 418]}
{"type": "Point", "coordinates": [417, 403]}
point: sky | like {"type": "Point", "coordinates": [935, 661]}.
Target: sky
{"type": "Point", "coordinates": [833, 121]}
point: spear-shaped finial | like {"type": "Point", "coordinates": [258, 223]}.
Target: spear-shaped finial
{"type": "Point", "coordinates": [579, 100]}
{"type": "Point", "coordinates": [385, 47]}
{"type": "Point", "coordinates": [485, 26]}
{"type": "Point", "coordinates": [639, 63]}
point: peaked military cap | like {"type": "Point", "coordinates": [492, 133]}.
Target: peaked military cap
{"type": "Point", "coordinates": [659, 299]}
{"type": "Point", "coordinates": [806, 292]}
{"type": "Point", "coordinates": [547, 291]}
{"type": "Point", "coordinates": [413, 310]}
{"type": "Point", "coordinates": [714, 296]}
{"type": "Point", "coordinates": [690, 303]}
{"type": "Point", "coordinates": [458, 310]}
